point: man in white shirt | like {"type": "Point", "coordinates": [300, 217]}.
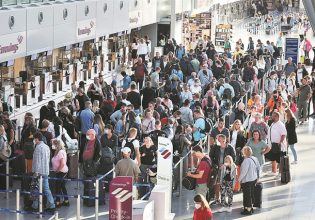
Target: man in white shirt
{"type": "Point", "coordinates": [276, 140]}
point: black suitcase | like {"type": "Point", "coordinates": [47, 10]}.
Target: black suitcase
{"type": "Point", "coordinates": [285, 176]}
{"type": "Point", "coordinates": [25, 186]}
{"type": "Point", "coordinates": [18, 164]}
{"type": "Point", "coordinates": [73, 163]}
{"type": "Point", "coordinates": [143, 190]}
{"type": "Point", "coordinates": [284, 163]}
{"type": "Point", "coordinates": [89, 190]}
{"type": "Point", "coordinates": [258, 195]}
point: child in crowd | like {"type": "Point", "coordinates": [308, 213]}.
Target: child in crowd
{"type": "Point", "coordinates": [228, 177]}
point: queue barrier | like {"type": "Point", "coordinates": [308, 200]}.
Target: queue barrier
{"type": "Point", "coordinates": [77, 197]}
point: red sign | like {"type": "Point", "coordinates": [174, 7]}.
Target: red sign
{"type": "Point", "coordinates": [120, 198]}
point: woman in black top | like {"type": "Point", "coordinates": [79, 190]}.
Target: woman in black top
{"type": "Point", "coordinates": [290, 125]}
{"type": "Point", "coordinates": [148, 156]}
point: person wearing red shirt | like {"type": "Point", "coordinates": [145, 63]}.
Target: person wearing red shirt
{"type": "Point", "coordinates": [202, 171]}
{"type": "Point", "coordinates": [202, 209]}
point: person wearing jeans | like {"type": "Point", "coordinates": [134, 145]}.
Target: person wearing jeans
{"type": "Point", "coordinates": [290, 125]}
{"type": "Point", "coordinates": [59, 165]}
{"type": "Point", "coordinates": [41, 159]}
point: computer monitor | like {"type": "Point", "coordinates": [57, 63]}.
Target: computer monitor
{"type": "Point", "coordinates": [34, 57]}
{"type": "Point", "coordinates": [10, 63]}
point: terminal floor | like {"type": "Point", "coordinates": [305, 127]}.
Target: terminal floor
{"type": "Point", "coordinates": [292, 201]}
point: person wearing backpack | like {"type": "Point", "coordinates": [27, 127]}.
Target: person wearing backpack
{"type": "Point", "coordinates": [248, 76]}
{"type": "Point", "coordinates": [133, 144]}
{"type": "Point", "coordinates": [180, 148]}
{"type": "Point", "coordinates": [91, 154]}
{"type": "Point", "coordinates": [217, 154]}
{"type": "Point", "coordinates": [199, 126]}
{"type": "Point", "coordinates": [202, 172]}
{"type": "Point", "coordinates": [227, 90]}
{"type": "Point", "coordinates": [110, 139]}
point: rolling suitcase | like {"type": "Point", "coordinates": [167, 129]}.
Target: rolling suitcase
{"type": "Point", "coordinates": [285, 169]}
{"type": "Point", "coordinates": [89, 190]}
{"type": "Point", "coordinates": [18, 166]}
{"type": "Point", "coordinates": [258, 195]}
{"type": "Point", "coordinates": [73, 163]}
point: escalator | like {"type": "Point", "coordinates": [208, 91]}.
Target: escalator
{"type": "Point", "coordinates": [309, 6]}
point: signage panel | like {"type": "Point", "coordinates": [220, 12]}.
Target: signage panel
{"type": "Point", "coordinates": [292, 49]}
{"type": "Point", "coordinates": [86, 29]}
{"type": "Point", "coordinates": [12, 46]}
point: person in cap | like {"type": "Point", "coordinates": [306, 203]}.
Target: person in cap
{"type": "Point", "coordinates": [126, 166]}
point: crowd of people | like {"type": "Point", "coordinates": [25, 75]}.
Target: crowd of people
{"type": "Point", "coordinates": [230, 109]}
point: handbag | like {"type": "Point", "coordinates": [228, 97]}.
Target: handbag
{"type": "Point", "coordinates": [6, 150]}
{"type": "Point", "coordinates": [90, 168]}
{"type": "Point", "coordinates": [189, 183]}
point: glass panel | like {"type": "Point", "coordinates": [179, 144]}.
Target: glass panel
{"type": "Point", "coordinates": [8, 2]}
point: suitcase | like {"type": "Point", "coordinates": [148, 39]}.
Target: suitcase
{"type": "Point", "coordinates": [73, 164]}
{"type": "Point", "coordinates": [143, 190]}
{"type": "Point", "coordinates": [18, 165]}
{"type": "Point", "coordinates": [258, 195]}
{"type": "Point", "coordinates": [285, 177]}
{"type": "Point", "coordinates": [284, 163]}
{"type": "Point", "coordinates": [89, 190]}
{"type": "Point", "coordinates": [25, 186]}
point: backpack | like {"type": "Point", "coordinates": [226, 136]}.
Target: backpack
{"type": "Point", "coordinates": [247, 75]}
{"type": "Point", "coordinates": [5, 151]}
{"type": "Point", "coordinates": [77, 122]}
{"type": "Point", "coordinates": [227, 93]}
{"type": "Point", "coordinates": [213, 173]}
{"type": "Point", "coordinates": [132, 148]}
{"type": "Point", "coordinates": [208, 124]}
{"type": "Point", "coordinates": [107, 157]}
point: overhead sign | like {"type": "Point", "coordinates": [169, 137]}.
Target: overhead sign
{"type": "Point", "coordinates": [135, 19]}
{"type": "Point", "coordinates": [120, 198]}
{"type": "Point", "coordinates": [86, 29]}
{"type": "Point", "coordinates": [292, 49]}
{"type": "Point", "coordinates": [11, 45]}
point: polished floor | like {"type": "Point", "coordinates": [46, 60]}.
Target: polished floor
{"type": "Point", "coordinates": [292, 201]}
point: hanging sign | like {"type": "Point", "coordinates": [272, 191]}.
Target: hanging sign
{"type": "Point", "coordinates": [120, 198]}
{"type": "Point", "coordinates": [11, 45]}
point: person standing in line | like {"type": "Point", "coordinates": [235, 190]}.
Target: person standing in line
{"type": "Point", "coordinates": [202, 209]}
{"type": "Point", "coordinates": [248, 178]}
{"type": "Point", "coordinates": [276, 140]}
{"type": "Point", "coordinates": [228, 178]}
{"type": "Point", "coordinates": [202, 171]}
{"type": "Point", "coordinates": [140, 71]}
{"type": "Point", "coordinates": [305, 93]}
{"type": "Point", "coordinates": [41, 159]}
{"type": "Point", "coordinates": [59, 165]}
{"type": "Point", "coordinates": [126, 166]}
{"type": "Point", "coordinates": [290, 125]}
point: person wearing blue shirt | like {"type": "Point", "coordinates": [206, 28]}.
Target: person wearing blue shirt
{"type": "Point", "coordinates": [180, 52]}
{"type": "Point", "coordinates": [86, 118]}
{"type": "Point", "coordinates": [200, 124]}
{"type": "Point", "coordinates": [126, 80]}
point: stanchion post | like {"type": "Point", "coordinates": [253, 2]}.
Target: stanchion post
{"type": "Point", "coordinates": [7, 177]}
{"type": "Point", "coordinates": [78, 177]}
{"type": "Point", "coordinates": [96, 199]}
{"type": "Point", "coordinates": [78, 207]}
{"type": "Point", "coordinates": [40, 196]}
{"type": "Point", "coordinates": [17, 204]}
{"type": "Point", "coordinates": [56, 215]}
{"type": "Point", "coordinates": [180, 177]}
